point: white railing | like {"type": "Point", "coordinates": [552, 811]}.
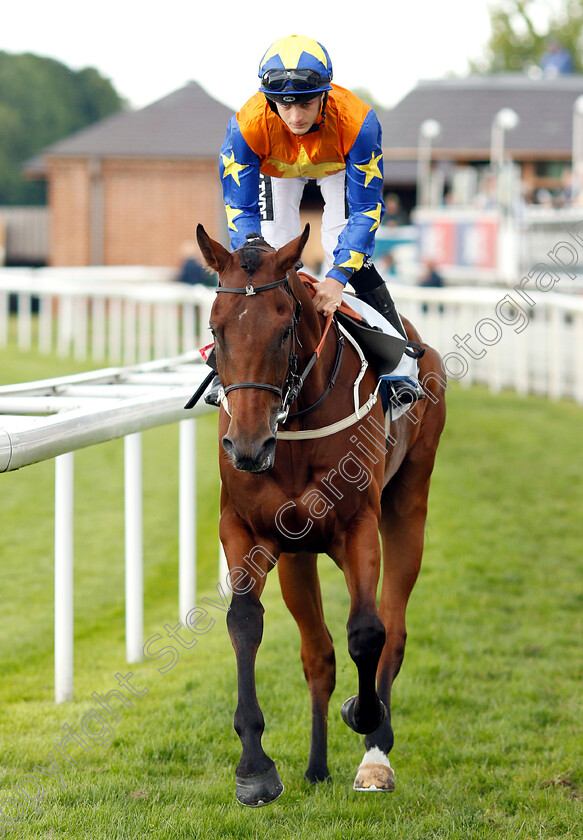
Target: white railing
{"type": "Point", "coordinates": [123, 314]}
{"type": "Point", "coordinates": [53, 418]}
{"type": "Point", "coordinates": [527, 341]}
{"type": "Point", "coordinates": [130, 314]}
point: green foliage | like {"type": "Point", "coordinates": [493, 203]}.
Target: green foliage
{"type": "Point", "coordinates": [518, 41]}
{"type": "Point", "coordinates": [367, 96]}
{"type": "Point", "coordinates": [42, 101]}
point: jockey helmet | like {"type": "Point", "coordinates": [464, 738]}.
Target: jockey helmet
{"type": "Point", "coordinates": [295, 69]}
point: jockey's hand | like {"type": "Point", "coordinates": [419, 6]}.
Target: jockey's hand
{"type": "Point", "coordinates": [328, 296]}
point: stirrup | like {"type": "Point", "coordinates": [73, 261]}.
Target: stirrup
{"type": "Point", "coordinates": [212, 396]}
{"type": "Point", "coordinates": [404, 392]}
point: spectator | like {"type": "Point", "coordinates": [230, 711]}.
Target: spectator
{"type": "Point", "coordinates": [191, 270]}
{"type": "Point", "coordinates": [430, 276]}
{"type": "Point", "coordinates": [557, 60]}
{"type": "Point", "coordinates": [394, 213]}
{"type": "Point", "coordinates": [565, 197]}
{"type": "Point", "coordinates": [387, 264]}
{"type": "Point", "coordinates": [487, 197]}
{"type": "Point", "coordinates": [544, 198]}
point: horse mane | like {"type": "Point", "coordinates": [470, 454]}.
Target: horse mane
{"type": "Point", "coordinates": [250, 254]}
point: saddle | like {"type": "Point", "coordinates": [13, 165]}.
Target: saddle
{"type": "Point", "coordinates": [382, 345]}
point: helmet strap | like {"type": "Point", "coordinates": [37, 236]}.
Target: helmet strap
{"type": "Point", "coordinates": [272, 105]}
{"type": "Point", "coordinates": [317, 126]}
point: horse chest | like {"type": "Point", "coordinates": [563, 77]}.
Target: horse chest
{"type": "Point", "coordinates": [300, 513]}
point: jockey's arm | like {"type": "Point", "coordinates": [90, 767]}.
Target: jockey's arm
{"type": "Point", "coordinates": [364, 180]}
{"type": "Point", "coordinates": [239, 170]}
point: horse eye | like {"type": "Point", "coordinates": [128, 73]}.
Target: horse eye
{"type": "Point", "coordinates": [286, 334]}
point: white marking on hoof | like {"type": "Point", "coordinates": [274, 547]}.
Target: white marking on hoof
{"type": "Point", "coordinates": [375, 756]}
{"type": "Point", "coordinates": [375, 772]}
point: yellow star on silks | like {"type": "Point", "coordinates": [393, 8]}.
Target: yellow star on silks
{"type": "Point", "coordinates": [233, 168]}
{"type": "Point", "coordinates": [290, 51]}
{"type": "Point", "coordinates": [303, 166]}
{"type": "Point", "coordinates": [371, 169]}
{"type": "Point", "coordinates": [356, 261]}
{"type": "Point", "coordinates": [374, 214]}
{"type": "Point", "coordinates": [232, 213]}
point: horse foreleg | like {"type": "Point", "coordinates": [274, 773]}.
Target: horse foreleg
{"type": "Point", "coordinates": [366, 634]}
{"type": "Point", "coordinates": [300, 588]}
{"type": "Point", "coordinates": [257, 780]}
{"type": "Point", "coordinates": [402, 530]}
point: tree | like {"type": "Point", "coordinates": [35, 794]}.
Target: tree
{"type": "Point", "coordinates": [366, 96]}
{"type": "Point", "coordinates": [42, 101]}
{"type": "Point", "coordinates": [518, 40]}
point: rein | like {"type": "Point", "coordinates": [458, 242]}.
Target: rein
{"type": "Point", "coordinates": [310, 365]}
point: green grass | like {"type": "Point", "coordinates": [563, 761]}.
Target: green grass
{"type": "Point", "coordinates": [487, 709]}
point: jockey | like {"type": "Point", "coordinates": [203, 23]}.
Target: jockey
{"type": "Point", "coordinates": [299, 126]}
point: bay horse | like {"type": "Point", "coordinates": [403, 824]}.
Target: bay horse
{"type": "Point", "coordinates": [302, 474]}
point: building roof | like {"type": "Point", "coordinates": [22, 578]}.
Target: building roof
{"type": "Point", "coordinates": [465, 109]}
{"type": "Point", "coordinates": [187, 123]}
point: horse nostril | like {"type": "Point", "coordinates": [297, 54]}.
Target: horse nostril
{"type": "Point", "coordinates": [253, 458]}
{"type": "Point", "coordinates": [267, 449]}
{"type": "Point", "coordinates": [228, 446]}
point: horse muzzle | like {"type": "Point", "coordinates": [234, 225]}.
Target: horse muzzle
{"type": "Point", "coordinates": [252, 456]}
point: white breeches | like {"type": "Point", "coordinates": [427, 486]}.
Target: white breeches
{"type": "Point", "coordinates": [286, 195]}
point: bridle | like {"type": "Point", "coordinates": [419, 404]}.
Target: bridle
{"type": "Point", "coordinates": [294, 382]}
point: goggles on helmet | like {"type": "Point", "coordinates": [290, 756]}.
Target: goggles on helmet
{"type": "Point", "coordinates": [301, 80]}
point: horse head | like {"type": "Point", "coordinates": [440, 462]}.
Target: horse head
{"type": "Point", "coordinates": [253, 321]}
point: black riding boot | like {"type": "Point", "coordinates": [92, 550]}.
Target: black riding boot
{"type": "Point", "coordinates": [372, 289]}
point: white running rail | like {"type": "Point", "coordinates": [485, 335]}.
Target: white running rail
{"type": "Point", "coordinates": [50, 419]}
{"type": "Point", "coordinates": [124, 314]}
{"type": "Point", "coordinates": [525, 338]}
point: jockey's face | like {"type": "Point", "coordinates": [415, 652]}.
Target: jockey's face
{"type": "Point", "coordinates": [300, 116]}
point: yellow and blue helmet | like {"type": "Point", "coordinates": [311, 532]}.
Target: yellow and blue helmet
{"type": "Point", "coordinates": [295, 68]}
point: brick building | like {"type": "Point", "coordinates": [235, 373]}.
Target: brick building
{"type": "Point", "coordinates": [132, 188]}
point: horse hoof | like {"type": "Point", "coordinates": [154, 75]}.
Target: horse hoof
{"type": "Point", "coordinates": [348, 716]}
{"type": "Point", "coordinates": [261, 789]}
{"type": "Point", "coordinates": [316, 777]}
{"type": "Point", "coordinates": [375, 777]}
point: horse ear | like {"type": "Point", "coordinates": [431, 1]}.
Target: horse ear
{"type": "Point", "coordinates": [213, 252]}
{"type": "Point", "coordinates": [288, 256]}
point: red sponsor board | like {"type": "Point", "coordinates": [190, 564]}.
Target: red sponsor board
{"type": "Point", "coordinates": [458, 241]}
